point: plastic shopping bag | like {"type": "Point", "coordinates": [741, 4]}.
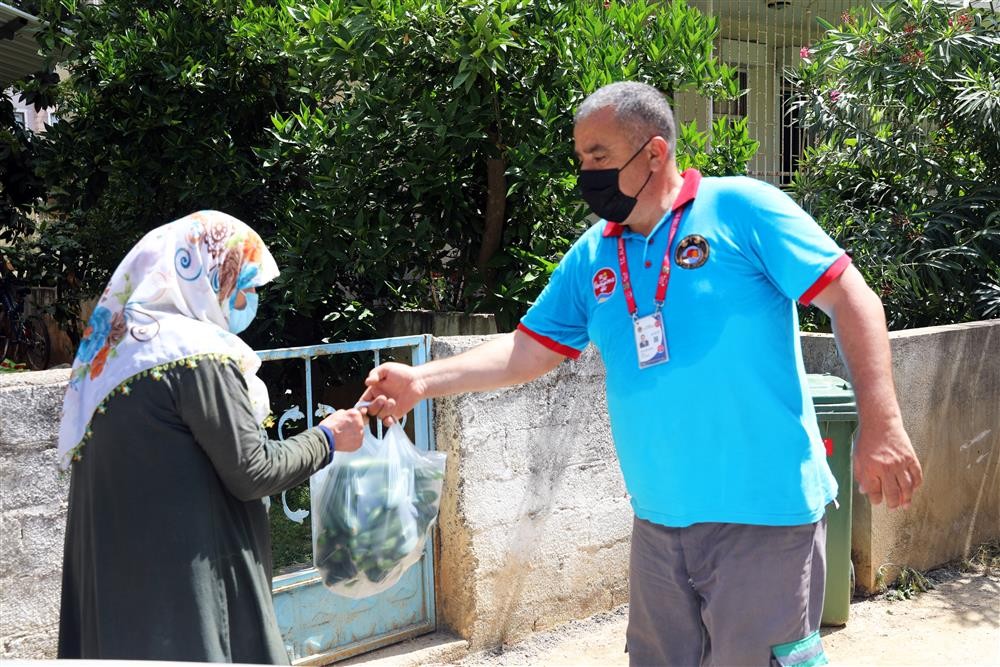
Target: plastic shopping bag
{"type": "Point", "coordinates": [372, 511]}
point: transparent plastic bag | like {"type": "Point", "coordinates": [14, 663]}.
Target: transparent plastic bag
{"type": "Point", "coordinates": [372, 511]}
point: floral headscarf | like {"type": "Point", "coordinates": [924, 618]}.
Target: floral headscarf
{"type": "Point", "coordinates": [169, 300]}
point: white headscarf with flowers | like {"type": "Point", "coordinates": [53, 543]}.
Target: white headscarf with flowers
{"type": "Point", "coordinates": [169, 299]}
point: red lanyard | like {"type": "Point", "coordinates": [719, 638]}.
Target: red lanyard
{"type": "Point", "coordinates": [662, 282]}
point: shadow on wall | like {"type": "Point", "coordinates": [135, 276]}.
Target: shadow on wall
{"type": "Point", "coordinates": [950, 406]}
{"type": "Point", "coordinates": [547, 468]}
{"type": "Point", "coordinates": [960, 434]}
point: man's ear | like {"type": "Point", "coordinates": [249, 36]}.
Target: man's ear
{"type": "Point", "coordinates": [660, 153]}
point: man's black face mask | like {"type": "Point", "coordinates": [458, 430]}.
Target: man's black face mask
{"type": "Point", "coordinates": [599, 188]}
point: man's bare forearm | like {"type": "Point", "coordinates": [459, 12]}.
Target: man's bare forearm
{"type": "Point", "coordinates": [885, 465]}
{"type": "Point", "coordinates": [502, 362]}
{"type": "Point", "coordinates": [860, 329]}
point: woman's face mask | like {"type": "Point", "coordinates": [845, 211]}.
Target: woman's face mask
{"type": "Point", "coordinates": [599, 188]}
{"type": "Point", "coordinates": [240, 318]}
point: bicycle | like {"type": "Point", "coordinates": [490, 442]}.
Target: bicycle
{"type": "Point", "coordinates": [21, 338]}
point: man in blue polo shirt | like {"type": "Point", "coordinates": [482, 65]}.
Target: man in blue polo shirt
{"type": "Point", "coordinates": [688, 288]}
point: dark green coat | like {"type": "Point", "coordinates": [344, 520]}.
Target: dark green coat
{"type": "Point", "coordinates": [168, 551]}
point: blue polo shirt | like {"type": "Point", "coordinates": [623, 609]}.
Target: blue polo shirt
{"type": "Point", "coordinates": [725, 431]}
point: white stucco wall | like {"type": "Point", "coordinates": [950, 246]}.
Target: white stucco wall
{"type": "Point", "coordinates": [535, 522]}
{"type": "Point", "coordinates": [32, 513]}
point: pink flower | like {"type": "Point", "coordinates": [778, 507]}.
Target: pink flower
{"type": "Point", "coordinates": [804, 52]}
{"type": "Point", "coordinates": [834, 95]}
{"type": "Point", "coordinates": [964, 22]}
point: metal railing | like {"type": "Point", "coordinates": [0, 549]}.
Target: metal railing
{"type": "Point", "coordinates": [420, 353]}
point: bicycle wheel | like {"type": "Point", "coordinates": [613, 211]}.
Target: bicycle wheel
{"type": "Point", "coordinates": [37, 347]}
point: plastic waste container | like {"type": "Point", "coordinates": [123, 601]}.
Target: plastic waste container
{"type": "Point", "coordinates": [837, 414]}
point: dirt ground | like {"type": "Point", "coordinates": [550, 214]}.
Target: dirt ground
{"type": "Point", "coordinates": [956, 623]}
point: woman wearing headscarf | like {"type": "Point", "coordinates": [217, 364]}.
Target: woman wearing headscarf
{"type": "Point", "coordinates": [168, 552]}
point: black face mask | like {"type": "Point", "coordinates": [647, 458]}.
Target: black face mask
{"type": "Point", "coordinates": [599, 188]}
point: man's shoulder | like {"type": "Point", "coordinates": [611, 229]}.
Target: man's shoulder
{"type": "Point", "coordinates": [741, 194]}
{"type": "Point", "coordinates": [584, 250]}
{"type": "Point", "coordinates": [594, 232]}
{"type": "Point", "coordinates": [735, 186]}
{"type": "Point", "coordinates": [590, 239]}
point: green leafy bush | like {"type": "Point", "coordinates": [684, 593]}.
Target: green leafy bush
{"type": "Point", "coordinates": [20, 188]}
{"type": "Point", "coordinates": [903, 103]}
{"type": "Point", "coordinates": [392, 154]}
{"type": "Point", "coordinates": [441, 164]}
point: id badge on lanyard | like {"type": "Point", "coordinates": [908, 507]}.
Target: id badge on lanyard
{"type": "Point", "coordinates": [650, 340]}
{"type": "Point", "coordinates": [649, 331]}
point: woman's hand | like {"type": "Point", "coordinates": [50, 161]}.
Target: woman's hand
{"type": "Point", "coordinates": [348, 428]}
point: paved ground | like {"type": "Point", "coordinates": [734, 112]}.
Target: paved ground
{"type": "Point", "coordinates": [957, 623]}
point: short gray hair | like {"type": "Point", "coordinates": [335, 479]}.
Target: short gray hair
{"type": "Point", "coordinates": [642, 111]}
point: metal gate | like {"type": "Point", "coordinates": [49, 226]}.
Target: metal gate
{"type": "Point", "coordinates": [319, 627]}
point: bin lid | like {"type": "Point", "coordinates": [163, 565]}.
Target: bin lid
{"type": "Point", "coordinates": [831, 394]}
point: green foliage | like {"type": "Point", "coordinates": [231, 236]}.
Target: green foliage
{"type": "Point", "coordinates": [160, 116]}
{"type": "Point", "coordinates": [29, 6]}
{"type": "Point", "coordinates": [445, 151]}
{"type": "Point", "coordinates": [20, 188]}
{"type": "Point", "coordinates": [291, 542]}
{"type": "Point", "coordinates": [725, 153]}
{"type": "Point", "coordinates": [10, 366]}
{"type": "Point", "coordinates": [903, 104]}
{"type": "Point", "coordinates": [392, 154]}
{"type": "Point", "coordinates": [901, 583]}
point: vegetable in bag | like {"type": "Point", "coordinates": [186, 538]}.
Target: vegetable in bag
{"type": "Point", "coordinates": [372, 512]}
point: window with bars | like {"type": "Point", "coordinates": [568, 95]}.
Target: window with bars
{"type": "Point", "coordinates": [19, 119]}
{"type": "Point", "coordinates": [763, 39]}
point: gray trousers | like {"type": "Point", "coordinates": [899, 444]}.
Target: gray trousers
{"type": "Point", "coordinates": [723, 594]}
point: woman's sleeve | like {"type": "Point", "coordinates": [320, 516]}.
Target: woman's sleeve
{"type": "Point", "coordinates": [212, 400]}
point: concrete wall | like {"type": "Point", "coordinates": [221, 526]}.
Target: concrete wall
{"type": "Point", "coordinates": [948, 383]}
{"type": "Point", "coordinates": [535, 523]}
{"type": "Point", "coordinates": [413, 322]}
{"type": "Point", "coordinates": [32, 513]}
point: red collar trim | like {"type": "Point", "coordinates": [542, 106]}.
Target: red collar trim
{"type": "Point", "coordinates": [689, 189]}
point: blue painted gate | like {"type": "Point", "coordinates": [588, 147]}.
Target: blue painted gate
{"type": "Point", "coordinates": [318, 626]}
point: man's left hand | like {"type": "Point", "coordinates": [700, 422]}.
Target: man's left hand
{"type": "Point", "coordinates": [885, 465]}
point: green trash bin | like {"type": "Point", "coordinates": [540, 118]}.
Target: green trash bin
{"type": "Point", "coordinates": [837, 414]}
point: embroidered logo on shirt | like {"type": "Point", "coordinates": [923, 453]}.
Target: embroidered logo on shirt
{"type": "Point", "coordinates": [692, 252]}
{"type": "Point", "coordinates": [604, 282]}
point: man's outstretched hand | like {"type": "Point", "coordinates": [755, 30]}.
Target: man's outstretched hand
{"type": "Point", "coordinates": [399, 385]}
